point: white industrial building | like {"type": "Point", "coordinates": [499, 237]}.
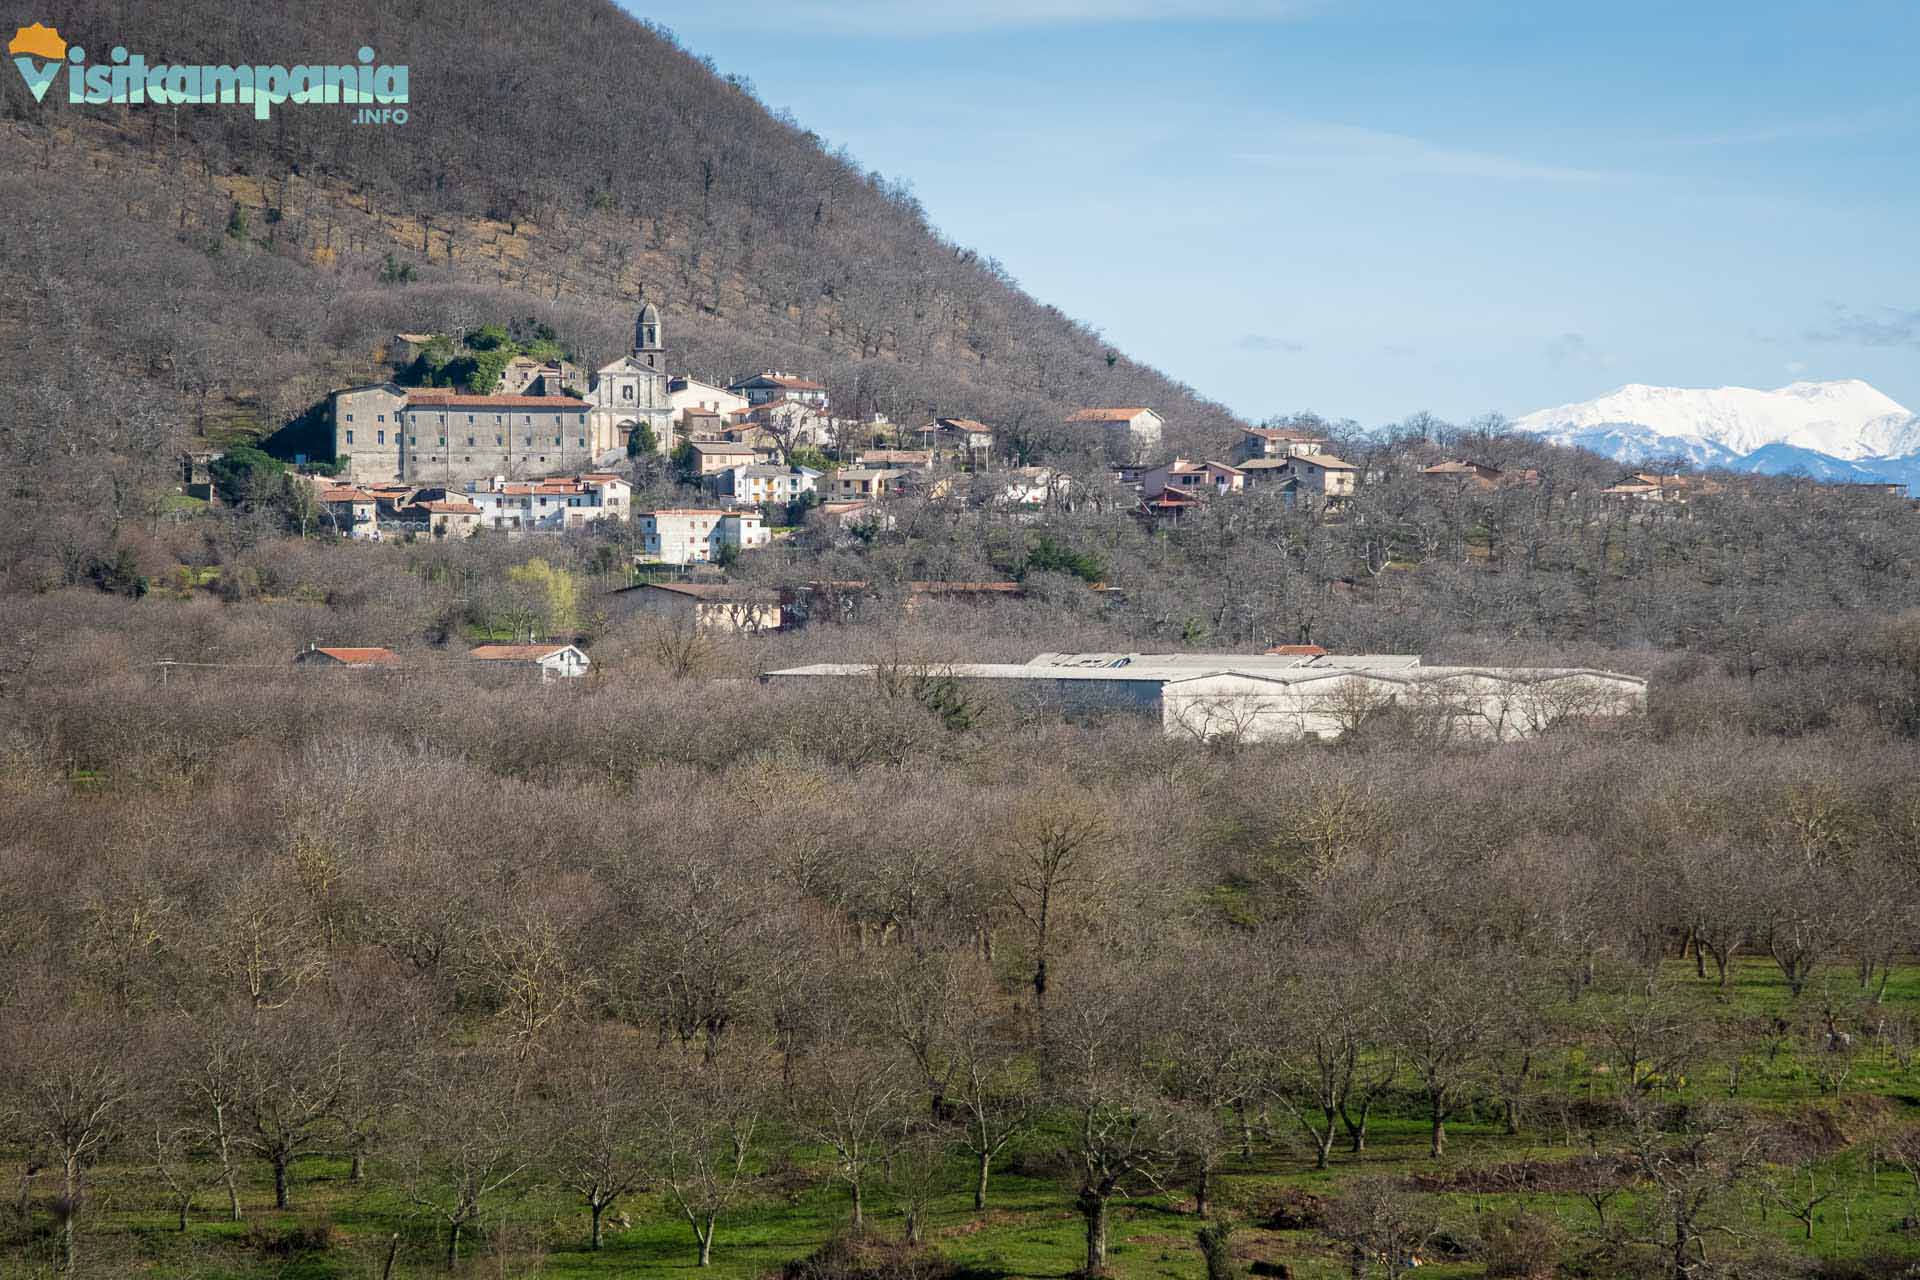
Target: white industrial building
{"type": "Point", "coordinates": [1255, 697]}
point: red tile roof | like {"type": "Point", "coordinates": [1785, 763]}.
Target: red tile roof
{"type": "Point", "coordinates": [359, 657]}
{"type": "Point", "coordinates": [454, 400]}
{"type": "Point", "coordinates": [1296, 651]}
{"type": "Point", "coordinates": [515, 652]}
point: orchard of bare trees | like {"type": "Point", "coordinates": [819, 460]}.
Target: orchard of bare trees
{"type": "Point", "coordinates": [400, 975]}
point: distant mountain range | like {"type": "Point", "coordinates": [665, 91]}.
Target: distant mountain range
{"type": "Point", "coordinates": [1845, 431]}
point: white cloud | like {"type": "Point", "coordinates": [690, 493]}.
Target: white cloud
{"type": "Point", "coordinates": [913, 18]}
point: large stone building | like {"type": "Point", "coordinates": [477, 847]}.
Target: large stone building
{"type": "Point", "coordinates": [430, 435]}
{"type": "Point", "coordinates": [425, 435]}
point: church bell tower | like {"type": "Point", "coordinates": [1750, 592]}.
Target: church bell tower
{"type": "Point", "coordinates": [647, 349]}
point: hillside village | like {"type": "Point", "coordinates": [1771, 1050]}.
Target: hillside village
{"type": "Point", "coordinates": [536, 446]}
{"type": "Point", "coordinates": [545, 449]}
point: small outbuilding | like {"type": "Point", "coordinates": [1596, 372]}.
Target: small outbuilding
{"type": "Point", "coordinates": [552, 661]}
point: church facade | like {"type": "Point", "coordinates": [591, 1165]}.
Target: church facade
{"type": "Point", "coordinates": [633, 391]}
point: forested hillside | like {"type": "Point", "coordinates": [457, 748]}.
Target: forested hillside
{"type": "Point", "coordinates": [202, 272]}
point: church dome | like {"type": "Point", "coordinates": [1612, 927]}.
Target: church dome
{"type": "Point", "coordinates": [649, 314]}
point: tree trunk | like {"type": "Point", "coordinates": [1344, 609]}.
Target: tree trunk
{"type": "Point", "coordinates": [1201, 1185]}
{"type": "Point", "coordinates": [980, 1185]}
{"type": "Point", "coordinates": [226, 1164]}
{"type": "Point", "coordinates": [706, 1244]}
{"type": "Point", "coordinates": [393, 1251]}
{"type": "Point", "coordinates": [453, 1245]}
{"type": "Point", "coordinates": [186, 1205]}
{"type": "Point", "coordinates": [1246, 1130]}
{"type": "Point", "coordinates": [1439, 1133]}
{"type": "Point", "coordinates": [357, 1170]}
{"type": "Point", "coordinates": [69, 1211]}
{"type": "Point", "coordinates": [595, 1208]}
{"type": "Point", "coordinates": [1093, 1207]}
{"type": "Point", "coordinates": [1513, 1117]}
{"type": "Point", "coordinates": [859, 1220]}
{"type": "Point", "coordinates": [279, 1182]}
{"type": "Point", "coordinates": [1356, 1126]}
{"type": "Point", "coordinates": [1323, 1138]}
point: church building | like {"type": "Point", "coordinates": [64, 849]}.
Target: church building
{"type": "Point", "coordinates": [633, 391]}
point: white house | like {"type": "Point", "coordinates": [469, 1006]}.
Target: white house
{"type": "Point", "coordinates": [562, 502]}
{"type": "Point", "coordinates": [552, 661]}
{"type": "Point", "coordinates": [1126, 431]}
{"type": "Point", "coordinates": [1276, 442]}
{"type": "Point", "coordinates": [690, 535]}
{"type": "Point", "coordinates": [753, 485]}
{"type": "Point", "coordinates": [772, 385]}
{"type": "Point", "coordinates": [1033, 486]}
{"type": "Point", "coordinates": [1322, 474]}
{"type": "Point", "coordinates": [684, 393]}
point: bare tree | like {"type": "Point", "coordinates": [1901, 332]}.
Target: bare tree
{"type": "Point", "coordinates": [75, 1090]}
{"type": "Point", "coordinates": [292, 1084]}
{"type": "Point", "coordinates": [852, 1099]}
{"type": "Point", "coordinates": [1442, 1026]}
{"type": "Point", "coordinates": [598, 1129]}
{"type": "Point", "coordinates": [1121, 1134]}
{"type": "Point", "coordinates": [703, 1122]}
{"type": "Point", "coordinates": [467, 1144]}
{"type": "Point", "coordinates": [1057, 841]}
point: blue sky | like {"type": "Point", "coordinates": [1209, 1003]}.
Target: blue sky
{"type": "Point", "coordinates": [1370, 207]}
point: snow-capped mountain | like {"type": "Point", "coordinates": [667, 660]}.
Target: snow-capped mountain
{"type": "Point", "coordinates": [1830, 430]}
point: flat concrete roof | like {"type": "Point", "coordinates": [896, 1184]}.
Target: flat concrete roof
{"type": "Point", "coordinates": [1230, 661]}
{"type": "Point", "coordinates": [1178, 674]}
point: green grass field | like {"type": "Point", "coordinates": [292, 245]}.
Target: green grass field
{"type": "Point", "coordinates": [1031, 1228]}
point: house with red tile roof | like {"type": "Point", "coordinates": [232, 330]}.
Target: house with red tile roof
{"type": "Point", "coordinates": [355, 659]}
{"type": "Point", "coordinates": [1126, 431]}
{"type": "Point", "coordinates": [551, 661]}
